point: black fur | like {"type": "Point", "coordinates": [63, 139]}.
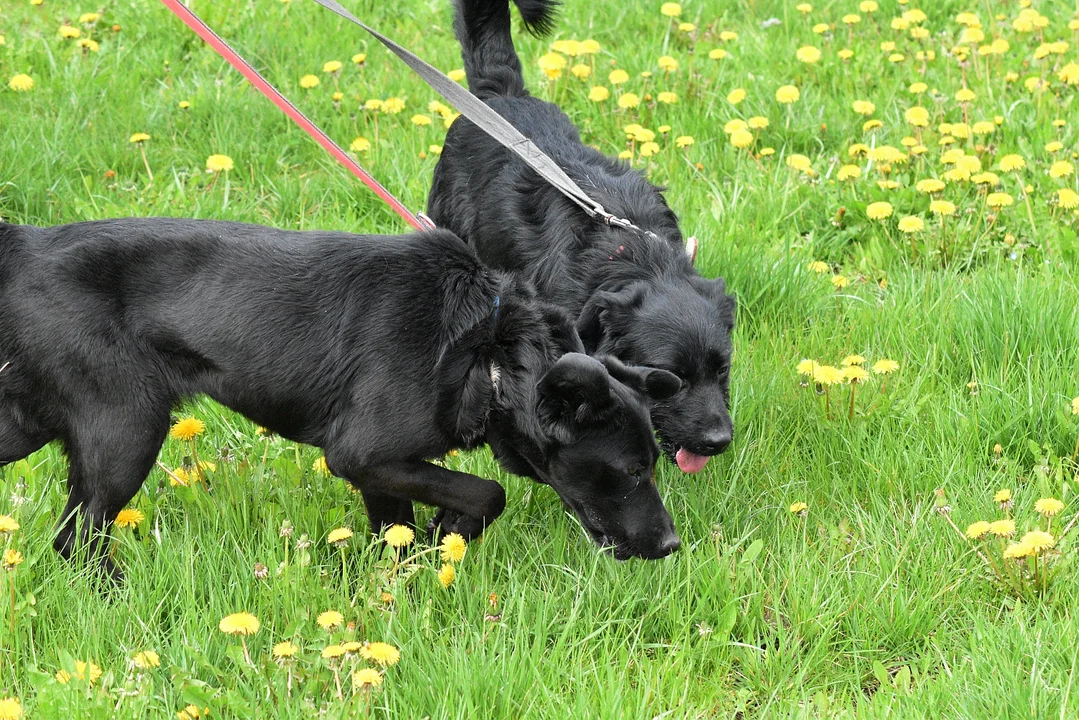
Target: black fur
{"type": "Point", "coordinates": [637, 295]}
{"type": "Point", "coordinates": [382, 351]}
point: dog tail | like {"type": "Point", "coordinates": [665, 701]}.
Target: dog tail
{"type": "Point", "coordinates": [483, 29]}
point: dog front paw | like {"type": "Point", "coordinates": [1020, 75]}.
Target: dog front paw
{"type": "Point", "coordinates": [450, 521]}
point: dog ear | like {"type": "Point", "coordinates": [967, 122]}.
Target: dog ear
{"type": "Point", "coordinates": [576, 390]}
{"type": "Point", "coordinates": [653, 383]}
{"type": "Point", "coordinates": [716, 291]}
{"type": "Point", "coordinates": [563, 330]}
{"type": "Point", "coordinates": [597, 316]}
{"type": "Point", "coordinates": [475, 401]}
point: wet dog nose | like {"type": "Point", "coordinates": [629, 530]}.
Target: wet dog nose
{"type": "Point", "coordinates": [716, 442]}
{"type": "Point", "coordinates": [669, 543]}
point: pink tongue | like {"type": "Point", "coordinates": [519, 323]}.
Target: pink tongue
{"type": "Point", "coordinates": [690, 463]}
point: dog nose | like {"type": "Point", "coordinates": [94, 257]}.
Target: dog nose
{"type": "Point", "coordinates": [669, 543]}
{"type": "Point", "coordinates": [717, 441]}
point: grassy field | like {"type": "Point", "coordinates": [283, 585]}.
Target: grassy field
{"type": "Point", "coordinates": [868, 603]}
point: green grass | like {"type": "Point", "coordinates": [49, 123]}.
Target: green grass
{"type": "Point", "coordinates": [868, 606]}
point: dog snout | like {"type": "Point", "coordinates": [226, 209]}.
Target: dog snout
{"type": "Point", "coordinates": [717, 440]}
{"type": "Point", "coordinates": [669, 543]}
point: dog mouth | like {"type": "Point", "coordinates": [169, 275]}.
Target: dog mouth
{"type": "Point", "coordinates": [687, 461]}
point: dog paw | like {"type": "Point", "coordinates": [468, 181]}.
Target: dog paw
{"type": "Point", "coordinates": [450, 521]}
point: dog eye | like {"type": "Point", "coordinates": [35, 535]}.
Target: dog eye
{"type": "Point", "coordinates": [635, 472]}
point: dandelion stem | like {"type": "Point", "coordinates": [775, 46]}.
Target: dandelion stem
{"type": "Point", "coordinates": [142, 149]}
{"type": "Point", "coordinates": [850, 411]}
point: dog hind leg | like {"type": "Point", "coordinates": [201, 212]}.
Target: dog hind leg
{"type": "Point", "coordinates": [110, 456]}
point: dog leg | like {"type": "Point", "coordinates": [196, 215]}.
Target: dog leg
{"type": "Point", "coordinates": [16, 442]}
{"type": "Point", "coordinates": [480, 500]}
{"type": "Point", "coordinates": [386, 510]}
{"type": "Point", "coordinates": [110, 456]}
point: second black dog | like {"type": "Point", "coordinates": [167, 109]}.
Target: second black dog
{"type": "Point", "coordinates": [636, 293]}
{"type": "Point", "coordinates": [385, 352]}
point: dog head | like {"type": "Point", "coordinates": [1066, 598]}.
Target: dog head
{"type": "Point", "coordinates": [593, 444]}
{"type": "Point", "coordinates": [682, 325]}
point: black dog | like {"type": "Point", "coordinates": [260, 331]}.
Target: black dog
{"type": "Point", "coordinates": [385, 352]}
{"type": "Point", "coordinates": [636, 293]}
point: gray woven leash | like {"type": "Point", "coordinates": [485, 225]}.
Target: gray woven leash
{"type": "Point", "coordinates": [490, 122]}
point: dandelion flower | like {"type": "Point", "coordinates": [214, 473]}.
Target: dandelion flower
{"type": "Point", "coordinates": [807, 367]}
{"type": "Point", "coordinates": [360, 144]}
{"type": "Point", "coordinates": [1067, 198]}
{"type": "Point", "coordinates": [758, 122]}
{"type": "Point", "coordinates": [683, 141]}
{"type": "Point", "coordinates": [911, 224]}
{"type": "Point", "coordinates": [667, 98]}
{"type": "Point", "coordinates": [717, 54]}
{"type": "Point", "coordinates": [147, 659]}
{"type": "Point", "coordinates": [798, 507]}
{"type": "Point", "coordinates": [668, 63]}
{"type": "Point", "coordinates": [741, 138]}
{"type": "Point", "coordinates": [139, 137]}
{"type": "Point", "coordinates": [799, 162]}
{"type": "Point", "coordinates": [457, 75]}
{"type": "Point", "coordinates": [617, 76]}
{"type": "Point", "coordinates": [965, 95]}
{"type": "Point", "coordinates": [1002, 528]}
{"type": "Point", "coordinates": [736, 96]}
{"type": "Point", "coordinates": [330, 619]}
{"type": "Point", "coordinates": [399, 536]}
{"type": "Point", "coordinates": [552, 64]}
{"type": "Point", "coordinates": [1017, 551]}
{"type": "Point", "coordinates": [864, 107]}
{"type": "Point", "coordinates": [1069, 74]}
{"type": "Point", "coordinates": [12, 558]}
{"type": "Point", "coordinates": [879, 210]}
{"type": "Point", "coordinates": [854, 374]}
{"type": "Point", "coordinates": [917, 116]}
{"type": "Point", "coordinates": [365, 678]}
{"type": "Point", "coordinates": [852, 360]}
{"type": "Point", "coordinates": [70, 33]}
{"type": "Point", "coordinates": [332, 652]}
{"type": "Point", "coordinates": [188, 427]}
{"type": "Point", "coordinates": [393, 105]}
{"type": "Point", "coordinates": [827, 374]}
{"type": "Point", "coordinates": [885, 366]}
{"type": "Point", "coordinates": [787, 94]}
{"type": "Point", "coordinates": [21, 82]}
{"type": "Point", "coordinates": [87, 671]}
{"type": "Point", "coordinates": [1048, 507]}
{"type": "Point", "coordinates": [929, 185]}
{"type": "Point", "coordinates": [581, 71]}
{"type": "Point", "coordinates": [8, 525]}
{"type": "Point", "coordinates": [849, 172]}
{"type": "Point", "coordinates": [1002, 496]}
{"type": "Point", "coordinates": [629, 100]}
{"type": "Point", "coordinates": [382, 653]}
{"type": "Point", "coordinates": [1075, 411]}
{"type": "Point", "coordinates": [339, 537]}
{"type": "Point", "coordinates": [977, 530]}
{"type": "Point", "coordinates": [671, 9]}
{"type": "Point", "coordinates": [309, 81]}
{"type": "Point", "coordinates": [128, 518]}
{"type": "Point", "coordinates": [446, 575]}
{"type": "Point", "coordinates": [361, 58]}
{"type": "Point", "coordinates": [917, 88]}
{"type": "Point", "coordinates": [1012, 162]}
{"type": "Point", "coordinates": [218, 163]}
{"type": "Point", "coordinates": [999, 200]}
{"type": "Point", "coordinates": [943, 208]}
{"type": "Point", "coordinates": [453, 547]}
{"type": "Point", "coordinates": [10, 709]}
{"type": "Point", "coordinates": [241, 623]}
{"type": "Point", "coordinates": [284, 649]}
{"type": "Point", "coordinates": [598, 93]}
{"type": "Point", "coordinates": [804, 8]}
{"type": "Point", "coordinates": [808, 54]}
{"type": "Point", "coordinates": [1061, 168]}
{"type": "Point", "coordinates": [1037, 540]}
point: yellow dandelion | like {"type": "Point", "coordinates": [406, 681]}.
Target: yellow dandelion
{"type": "Point", "coordinates": [717, 54]}
{"type": "Point", "coordinates": [1017, 551]}
{"type": "Point", "coordinates": [359, 58]}
{"type": "Point", "coordinates": [617, 76]}
{"type": "Point", "coordinates": [598, 93]}
{"type": "Point", "coordinates": [330, 619]}
{"type": "Point", "coordinates": [911, 224]}
{"type": "Point", "coordinates": [392, 105]}
{"type": "Point", "coordinates": [929, 186]}
{"type": "Point", "coordinates": [943, 208]}
{"type": "Point", "coordinates": [798, 507]}
{"type": "Point", "coordinates": [864, 107]}
{"type": "Point", "coordinates": [360, 144]}
{"type": "Point", "coordinates": [421, 120]}
{"type": "Point", "coordinates": [128, 518]}
{"type": "Point", "coordinates": [446, 575]}
{"type": "Point", "coordinates": [187, 428]}
{"type": "Point", "coordinates": [1002, 496]}
{"type": "Point", "coordinates": [1048, 507]}
{"type": "Point", "coordinates": [683, 141]}
{"type": "Point", "coordinates": [1067, 198]}
{"type": "Point", "coordinates": [339, 536]}
{"type": "Point", "coordinates": [965, 95]}
{"type": "Point", "coordinates": [629, 100]}
{"type": "Point", "coordinates": [332, 652]}
{"type": "Point", "coordinates": [399, 535]}
{"type": "Point", "coordinates": [851, 19]}
{"type": "Point", "coordinates": [854, 374]}
{"type": "Point", "coordinates": [139, 137]}
{"type": "Point", "coordinates": [999, 200]}
{"type": "Point", "coordinates": [284, 649]}
{"type": "Point", "coordinates": [741, 138]}
{"type": "Point", "coordinates": [21, 82]}
{"type": "Point", "coordinates": [365, 678]}
{"type": "Point", "coordinates": [70, 33]}
{"type": "Point", "coordinates": [808, 54]}
{"type": "Point", "coordinates": [84, 670]}
{"type": "Point", "coordinates": [668, 63]}
{"type": "Point", "coordinates": [382, 653]}
{"type": "Point", "coordinates": [12, 558]}
{"type": "Point", "coordinates": [457, 75]}
{"type": "Point", "coordinates": [453, 548]}
{"type": "Point", "coordinates": [1002, 528]}
{"type": "Point", "coordinates": [787, 94]}
{"type": "Point", "coordinates": [827, 374]}
{"type": "Point", "coordinates": [917, 116]}
{"type": "Point", "coordinates": [885, 366]}
{"type": "Point", "coordinates": [10, 708]}
{"type": "Point", "coordinates": [881, 210]}
{"type": "Point", "coordinates": [146, 659]}
{"type": "Point", "coordinates": [332, 66]}
{"type": "Point", "coordinates": [977, 530]}
{"type": "Point", "coordinates": [852, 360]}
{"type": "Point", "coordinates": [219, 163]}
{"type": "Point", "coordinates": [840, 281]}
{"type": "Point", "coordinates": [8, 525]}
{"type": "Point", "coordinates": [1061, 168]}
{"type": "Point", "coordinates": [671, 9]}
{"type": "Point", "coordinates": [1069, 74]}
{"type": "Point", "coordinates": [807, 367]}
{"type": "Point", "coordinates": [1010, 163]}
{"type": "Point", "coordinates": [799, 162]}
{"type": "Point", "coordinates": [581, 71]}
{"type": "Point", "coordinates": [1075, 411]}
{"type": "Point", "coordinates": [309, 81]}
{"type": "Point", "coordinates": [1037, 540]}
{"type": "Point", "coordinates": [849, 172]}
{"type": "Point", "coordinates": [241, 623]}
{"type": "Point", "coordinates": [667, 98]}
{"type": "Point", "coordinates": [736, 96]}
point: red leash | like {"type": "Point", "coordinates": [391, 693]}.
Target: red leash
{"type": "Point", "coordinates": [418, 221]}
